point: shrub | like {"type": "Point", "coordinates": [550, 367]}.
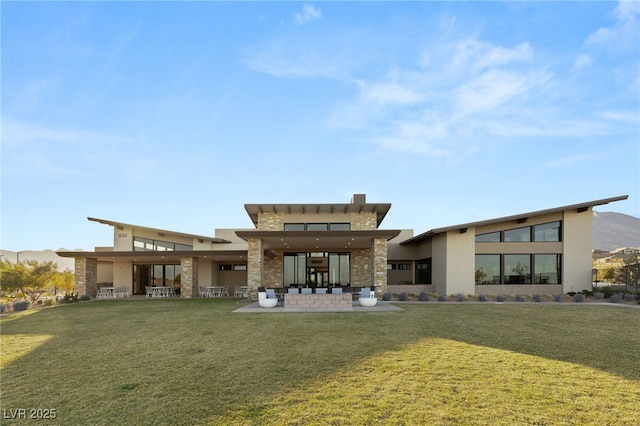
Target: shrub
{"type": "Point", "coordinates": [4, 308]}
{"type": "Point", "coordinates": [500, 298]}
{"type": "Point", "coordinates": [482, 298]}
{"type": "Point", "coordinates": [48, 302]}
{"type": "Point", "coordinates": [579, 297]}
{"type": "Point", "coordinates": [403, 297]}
{"type": "Point", "coordinates": [424, 296]}
{"type": "Point", "coordinates": [386, 296]}
{"type": "Point", "coordinates": [537, 298]}
{"type": "Point", "coordinates": [629, 297]}
{"type": "Point", "coordinates": [70, 298]}
{"type": "Point", "coordinates": [598, 295]}
{"type": "Point", "coordinates": [22, 305]}
{"type": "Point", "coordinates": [84, 298]}
{"type": "Point", "coordinates": [519, 298]}
{"type": "Point", "coordinates": [442, 298]}
{"type": "Point", "coordinates": [460, 297]}
{"type": "Point", "coordinates": [615, 298]}
{"type": "Point", "coordinates": [558, 298]}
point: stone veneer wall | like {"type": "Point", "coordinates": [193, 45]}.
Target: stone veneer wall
{"type": "Point", "coordinates": [271, 221]}
{"type": "Point", "coordinates": [380, 264]}
{"type": "Point", "coordinates": [364, 221]}
{"type": "Point", "coordinates": [273, 270]}
{"type": "Point", "coordinates": [255, 261]}
{"type": "Point", "coordinates": [86, 276]}
{"type": "Point", "coordinates": [189, 277]}
{"type": "Point", "coordinates": [344, 300]}
{"type": "Point", "coordinates": [361, 268]}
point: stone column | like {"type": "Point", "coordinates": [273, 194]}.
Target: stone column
{"type": "Point", "coordinates": [86, 276]}
{"type": "Point", "coordinates": [189, 277]}
{"type": "Point", "coordinates": [380, 264]}
{"type": "Point", "coordinates": [255, 262]}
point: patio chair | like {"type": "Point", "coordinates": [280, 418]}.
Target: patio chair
{"type": "Point", "coordinates": [149, 291]}
{"type": "Point", "coordinates": [367, 297]}
{"type": "Point", "coordinates": [267, 299]}
{"type": "Point", "coordinates": [203, 292]}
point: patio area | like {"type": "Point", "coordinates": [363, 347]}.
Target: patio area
{"type": "Point", "coordinates": [380, 307]}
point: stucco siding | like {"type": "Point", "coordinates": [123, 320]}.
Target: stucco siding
{"type": "Point", "coordinates": [577, 238]}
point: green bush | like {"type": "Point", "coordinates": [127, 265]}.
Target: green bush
{"type": "Point", "coordinates": [482, 298]}
{"type": "Point", "coordinates": [500, 298]}
{"type": "Point", "coordinates": [537, 298]}
{"type": "Point", "coordinates": [386, 296]}
{"type": "Point", "coordinates": [460, 297]}
{"type": "Point", "coordinates": [442, 298]}
{"type": "Point", "coordinates": [403, 297]}
{"type": "Point", "coordinates": [579, 297]}
{"type": "Point", "coordinates": [423, 296]}
{"type": "Point", "coordinates": [84, 298]}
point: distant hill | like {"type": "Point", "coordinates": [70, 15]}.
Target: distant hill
{"type": "Point", "coordinates": [615, 230]}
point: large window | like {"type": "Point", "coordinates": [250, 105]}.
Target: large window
{"type": "Point", "coordinates": [317, 268]}
{"type": "Point", "coordinates": [545, 232]}
{"type": "Point", "coordinates": [518, 269]}
{"type": "Point", "coordinates": [146, 244]}
{"type": "Point", "coordinates": [423, 271]}
{"type": "Point", "coordinates": [488, 269]}
{"type": "Point", "coordinates": [317, 226]}
{"type": "Point", "coordinates": [517, 235]}
{"type": "Point", "coordinates": [546, 268]}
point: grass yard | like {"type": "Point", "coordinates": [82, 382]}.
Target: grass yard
{"type": "Point", "coordinates": [194, 362]}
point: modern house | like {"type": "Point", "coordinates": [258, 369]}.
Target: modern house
{"type": "Point", "coordinates": [330, 245]}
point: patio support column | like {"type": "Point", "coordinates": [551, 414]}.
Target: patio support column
{"type": "Point", "coordinates": [255, 262]}
{"type": "Point", "coordinates": [380, 264]}
{"type": "Point", "coordinates": [189, 277]}
{"type": "Point", "coordinates": [86, 276]}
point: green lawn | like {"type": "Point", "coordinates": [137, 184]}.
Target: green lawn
{"type": "Point", "coordinates": [195, 362]}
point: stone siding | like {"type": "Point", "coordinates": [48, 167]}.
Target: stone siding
{"type": "Point", "coordinates": [271, 221]}
{"type": "Point", "coordinates": [86, 276]}
{"type": "Point", "coordinates": [361, 275]}
{"type": "Point", "coordinates": [273, 270]}
{"type": "Point", "coordinates": [380, 264]}
{"type": "Point", "coordinates": [364, 221]}
{"type": "Point", "coordinates": [189, 277]}
{"type": "Point", "coordinates": [255, 262]}
{"type": "Point", "coordinates": [344, 300]}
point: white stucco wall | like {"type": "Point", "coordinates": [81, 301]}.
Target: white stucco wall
{"type": "Point", "coordinates": [577, 240]}
{"type": "Point", "coordinates": [122, 238]}
{"type": "Point", "coordinates": [123, 275]}
{"type": "Point", "coordinates": [461, 262]}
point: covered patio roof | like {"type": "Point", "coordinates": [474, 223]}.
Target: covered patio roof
{"type": "Point", "coordinates": [158, 257]}
{"type": "Point", "coordinates": [321, 240]}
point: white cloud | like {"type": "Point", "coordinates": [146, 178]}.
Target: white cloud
{"type": "Point", "coordinates": [583, 60]}
{"type": "Point", "coordinates": [309, 13]}
{"type": "Point", "coordinates": [479, 55]}
{"type": "Point", "coordinates": [624, 30]}
{"type": "Point", "coordinates": [389, 93]}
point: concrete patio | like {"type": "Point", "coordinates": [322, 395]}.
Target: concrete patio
{"type": "Point", "coordinates": [380, 307]}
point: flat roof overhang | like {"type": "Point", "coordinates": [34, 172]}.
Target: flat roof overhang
{"type": "Point", "coordinates": [158, 257]}
{"type": "Point", "coordinates": [321, 240]}
{"type": "Point", "coordinates": [380, 209]}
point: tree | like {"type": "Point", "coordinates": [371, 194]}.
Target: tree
{"type": "Point", "coordinates": [31, 278]}
{"type": "Point", "coordinates": [629, 273]}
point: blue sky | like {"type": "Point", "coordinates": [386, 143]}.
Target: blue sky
{"type": "Point", "coordinates": [174, 115]}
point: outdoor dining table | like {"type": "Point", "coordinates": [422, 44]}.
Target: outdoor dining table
{"type": "Point", "coordinates": [215, 291]}
{"type": "Point", "coordinates": [107, 292]}
{"type": "Point", "coordinates": [162, 291]}
{"type": "Point", "coordinates": [242, 291]}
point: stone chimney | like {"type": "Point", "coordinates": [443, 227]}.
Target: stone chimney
{"type": "Point", "coordinates": [359, 199]}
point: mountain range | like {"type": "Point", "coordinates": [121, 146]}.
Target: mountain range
{"type": "Point", "coordinates": [610, 231]}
